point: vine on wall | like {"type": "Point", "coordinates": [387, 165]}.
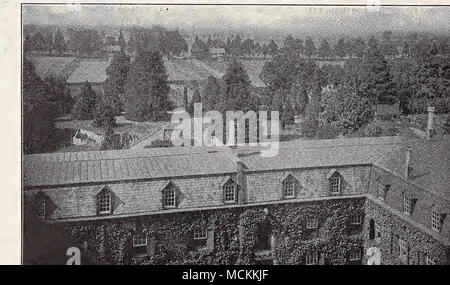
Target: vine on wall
{"type": "Point", "coordinates": [234, 234]}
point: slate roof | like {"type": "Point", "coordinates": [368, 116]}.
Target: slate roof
{"type": "Point", "coordinates": [430, 161]}
{"type": "Point", "coordinates": [107, 166]}
{"type": "Point", "coordinates": [93, 71]}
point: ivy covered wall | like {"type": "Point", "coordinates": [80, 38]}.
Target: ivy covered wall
{"type": "Point", "coordinates": [389, 226]}
{"type": "Point", "coordinates": [232, 234]}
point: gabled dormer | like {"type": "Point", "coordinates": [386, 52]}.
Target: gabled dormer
{"type": "Point", "coordinates": [169, 195]}
{"type": "Point", "coordinates": [105, 201]}
{"type": "Point", "coordinates": [289, 185]}
{"type": "Point", "coordinates": [230, 191]}
{"type": "Point", "coordinates": [335, 182]}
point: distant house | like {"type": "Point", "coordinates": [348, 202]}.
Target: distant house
{"type": "Point", "coordinates": [217, 53]}
{"type": "Point", "coordinates": [386, 111]}
{"type": "Point", "coordinates": [110, 51]}
{"type": "Point", "coordinates": [93, 71]}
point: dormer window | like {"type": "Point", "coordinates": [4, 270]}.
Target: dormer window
{"type": "Point", "coordinates": [435, 220]}
{"type": "Point", "coordinates": [169, 197]}
{"type": "Point", "coordinates": [288, 186]}
{"type": "Point", "coordinates": [229, 192]}
{"type": "Point", "coordinates": [335, 184]}
{"type": "Point", "coordinates": [104, 200]}
{"type": "Point", "coordinates": [335, 181]}
{"type": "Point", "coordinates": [407, 204]}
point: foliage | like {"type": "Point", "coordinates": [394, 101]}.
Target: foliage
{"type": "Point", "coordinates": [324, 49]}
{"type": "Point", "coordinates": [104, 115]}
{"type": "Point", "coordinates": [236, 90]}
{"type": "Point", "coordinates": [199, 49]}
{"type": "Point", "coordinates": [377, 129]}
{"type": "Point", "coordinates": [159, 143]}
{"type": "Point", "coordinates": [117, 73]}
{"type": "Point", "coordinates": [39, 111]}
{"type": "Point", "coordinates": [147, 91]}
{"type": "Point", "coordinates": [235, 235]}
{"type": "Point", "coordinates": [84, 107]}
{"type": "Point", "coordinates": [111, 140]}
{"type": "Point", "coordinates": [344, 108]}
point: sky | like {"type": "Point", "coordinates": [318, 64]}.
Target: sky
{"type": "Point", "coordinates": [292, 19]}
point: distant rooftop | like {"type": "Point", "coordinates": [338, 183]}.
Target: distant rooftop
{"type": "Point", "coordinates": [93, 71]}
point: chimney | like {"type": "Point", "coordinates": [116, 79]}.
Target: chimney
{"type": "Point", "coordinates": [407, 162]}
{"type": "Point", "coordinates": [241, 181]}
{"type": "Point", "coordinates": [430, 122]}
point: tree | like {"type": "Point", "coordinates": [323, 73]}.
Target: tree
{"type": "Point", "coordinates": [358, 47]}
{"type": "Point", "coordinates": [282, 71]}
{"type": "Point", "coordinates": [290, 47]}
{"type": "Point", "coordinates": [310, 48]}
{"type": "Point", "coordinates": [387, 46]}
{"type": "Point", "coordinates": [247, 47]}
{"type": "Point", "coordinates": [199, 49]}
{"type": "Point", "coordinates": [299, 97]}
{"type": "Point", "coordinates": [111, 140]}
{"type": "Point", "coordinates": [104, 115]}
{"type": "Point", "coordinates": [85, 104]}
{"type": "Point", "coordinates": [175, 43]}
{"type": "Point", "coordinates": [345, 109]}
{"type": "Point", "coordinates": [147, 91]}
{"type": "Point", "coordinates": [381, 88]}
{"type": "Point", "coordinates": [38, 41]}
{"type": "Point", "coordinates": [211, 94]}
{"type": "Point", "coordinates": [117, 73]}
{"type": "Point", "coordinates": [236, 87]}
{"type": "Point", "coordinates": [59, 43]}
{"type": "Point", "coordinates": [196, 98]}
{"type": "Point", "coordinates": [121, 41]}
{"type": "Point", "coordinates": [324, 49]}
{"type": "Point", "coordinates": [272, 48]}
{"type": "Point", "coordinates": [288, 114]}
{"type": "Point", "coordinates": [265, 50]}
{"type": "Point", "coordinates": [58, 94]}
{"type": "Point", "coordinates": [433, 82]}
{"type": "Point", "coordinates": [340, 49]}
{"type": "Point", "coordinates": [38, 111]}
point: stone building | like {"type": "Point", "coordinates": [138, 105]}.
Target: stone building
{"type": "Point", "coordinates": [316, 202]}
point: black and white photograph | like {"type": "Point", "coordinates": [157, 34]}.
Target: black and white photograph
{"type": "Point", "coordinates": [234, 134]}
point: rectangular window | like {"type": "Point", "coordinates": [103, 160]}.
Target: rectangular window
{"type": "Point", "coordinates": [355, 255]}
{"type": "Point", "coordinates": [403, 248]}
{"type": "Point", "coordinates": [407, 204]}
{"type": "Point", "coordinates": [355, 219]}
{"type": "Point", "coordinates": [312, 223]}
{"type": "Point", "coordinates": [335, 184]}
{"type": "Point", "coordinates": [41, 209]}
{"type": "Point", "coordinates": [288, 189]}
{"type": "Point", "coordinates": [230, 194]}
{"type": "Point", "coordinates": [435, 220]}
{"type": "Point", "coordinates": [139, 240]}
{"type": "Point", "coordinates": [200, 233]}
{"type": "Point", "coordinates": [169, 198]}
{"type": "Point", "coordinates": [200, 238]}
{"type": "Point", "coordinates": [104, 203]}
{"type": "Point", "coordinates": [312, 258]}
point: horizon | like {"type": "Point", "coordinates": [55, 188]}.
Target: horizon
{"type": "Point", "coordinates": [295, 20]}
